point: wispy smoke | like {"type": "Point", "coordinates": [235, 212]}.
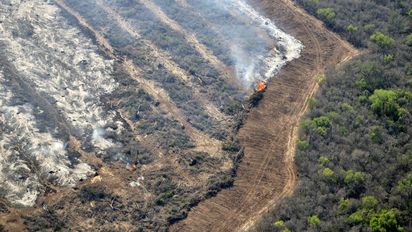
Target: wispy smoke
{"type": "Point", "coordinates": [99, 140]}
{"type": "Point", "coordinates": [259, 49]}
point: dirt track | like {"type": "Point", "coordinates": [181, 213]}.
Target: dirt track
{"type": "Point", "coordinates": [267, 172]}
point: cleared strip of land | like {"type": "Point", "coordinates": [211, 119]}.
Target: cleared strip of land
{"type": "Point", "coordinates": [267, 173]}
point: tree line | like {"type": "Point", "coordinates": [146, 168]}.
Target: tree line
{"type": "Point", "coordinates": [354, 155]}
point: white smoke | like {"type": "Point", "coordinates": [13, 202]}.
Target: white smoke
{"type": "Point", "coordinates": [290, 47]}
{"type": "Point", "coordinates": [99, 141]}
{"type": "Point", "coordinates": [245, 65]}
{"type": "Point", "coordinates": [262, 62]}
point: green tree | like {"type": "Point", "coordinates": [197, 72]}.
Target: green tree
{"type": "Point", "coordinates": [385, 220]}
{"type": "Point", "coordinates": [327, 172]}
{"type": "Point", "coordinates": [382, 40]}
{"type": "Point", "coordinates": [322, 124]}
{"type": "Point", "coordinates": [357, 217]}
{"type": "Point", "coordinates": [405, 183]}
{"type": "Point", "coordinates": [388, 58]}
{"type": "Point", "coordinates": [313, 220]}
{"type": "Point", "coordinates": [404, 190]}
{"type": "Point", "coordinates": [352, 177]}
{"type": "Point", "coordinates": [343, 204]}
{"type": "Point", "coordinates": [384, 102]}
{"type": "Point", "coordinates": [323, 160]}
{"type": "Point", "coordinates": [354, 181]}
{"type": "Point", "coordinates": [351, 28]}
{"type": "Point", "coordinates": [369, 202]}
{"type": "Point", "coordinates": [279, 223]}
{"type": "Point", "coordinates": [322, 121]}
{"type": "Point", "coordinates": [302, 145]}
{"type": "Point", "coordinates": [375, 134]}
{"type": "Point", "coordinates": [390, 102]}
{"type": "Point", "coordinates": [409, 39]}
{"type": "Point", "coordinates": [326, 13]}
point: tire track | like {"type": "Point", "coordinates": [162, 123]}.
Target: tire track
{"type": "Point", "coordinates": [288, 96]}
{"type": "Point", "coordinates": [268, 155]}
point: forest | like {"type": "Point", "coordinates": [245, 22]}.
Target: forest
{"type": "Point", "coordinates": [354, 153]}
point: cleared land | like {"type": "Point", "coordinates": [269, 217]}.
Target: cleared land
{"type": "Point", "coordinates": [266, 173]}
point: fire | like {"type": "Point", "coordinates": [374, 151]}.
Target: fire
{"type": "Point", "coordinates": [261, 86]}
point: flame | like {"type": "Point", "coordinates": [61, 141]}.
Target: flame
{"type": "Point", "coordinates": [261, 86]}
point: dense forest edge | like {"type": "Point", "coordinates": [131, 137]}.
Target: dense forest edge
{"type": "Point", "coordinates": [354, 153]}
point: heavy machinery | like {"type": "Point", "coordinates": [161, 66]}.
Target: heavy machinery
{"type": "Point", "coordinates": [261, 86]}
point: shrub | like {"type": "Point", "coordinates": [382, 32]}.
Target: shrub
{"type": "Point", "coordinates": [320, 79]}
{"type": "Point", "coordinates": [313, 220]}
{"type": "Point", "coordinates": [369, 202]}
{"type": "Point", "coordinates": [322, 124]}
{"type": "Point", "coordinates": [279, 223]}
{"type": "Point", "coordinates": [92, 193]}
{"type": "Point", "coordinates": [405, 183]}
{"type": "Point", "coordinates": [322, 121]}
{"type": "Point", "coordinates": [375, 134]}
{"type": "Point", "coordinates": [232, 147]}
{"type": "Point", "coordinates": [389, 102]}
{"type": "Point", "coordinates": [327, 172]}
{"type": "Point", "coordinates": [384, 102]}
{"type": "Point", "coordinates": [343, 204]}
{"type": "Point", "coordinates": [302, 145]}
{"type": "Point", "coordinates": [312, 103]}
{"type": "Point", "coordinates": [382, 40]}
{"type": "Point", "coordinates": [356, 217]}
{"type": "Point", "coordinates": [388, 58]}
{"type": "Point", "coordinates": [352, 28]}
{"type": "Point", "coordinates": [355, 182]}
{"type": "Point", "coordinates": [326, 13]}
{"type": "Point", "coordinates": [323, 160]}
{"type": "Point", "coordinates": [354, 177]}
{"type": "Point", "coordinates": [255, 99]}
{"type": "Point", "coordinates": [49, 220]}
{"type": "Point", "coordinates": [409, 39]}
{"type": "Point", "coordinates": [163, 198]}
{"type": "Point", "coordinates": [385, 220]}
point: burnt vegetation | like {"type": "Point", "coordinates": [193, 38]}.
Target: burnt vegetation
{"type": "Point", "coordinates": [354, 155]}
{"type": "Point", "coordinates": [157, 170]}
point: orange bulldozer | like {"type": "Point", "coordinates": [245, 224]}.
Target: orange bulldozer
{"type": "Point", "coordinates": [261, 86]}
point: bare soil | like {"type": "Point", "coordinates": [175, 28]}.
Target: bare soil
{"type": "Point", "coordinates": [267, 173]}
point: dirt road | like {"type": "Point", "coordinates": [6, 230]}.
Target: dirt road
{"type": "Point", "coordinates": [267, 172]}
